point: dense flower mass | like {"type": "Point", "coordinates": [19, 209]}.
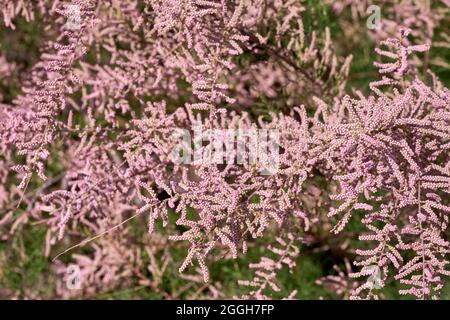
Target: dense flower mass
{"type": "Point", "coordinates": [90, 116]}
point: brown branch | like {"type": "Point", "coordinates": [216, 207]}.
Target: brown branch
{"type": "Point", "coordinates": [280, 56]}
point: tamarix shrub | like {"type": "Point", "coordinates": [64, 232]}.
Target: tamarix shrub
{"type": "Point", "coordinates": [295, 157]}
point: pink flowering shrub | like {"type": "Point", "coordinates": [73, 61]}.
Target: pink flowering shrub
{"type": "Point", "coordinates": [87, 144]}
